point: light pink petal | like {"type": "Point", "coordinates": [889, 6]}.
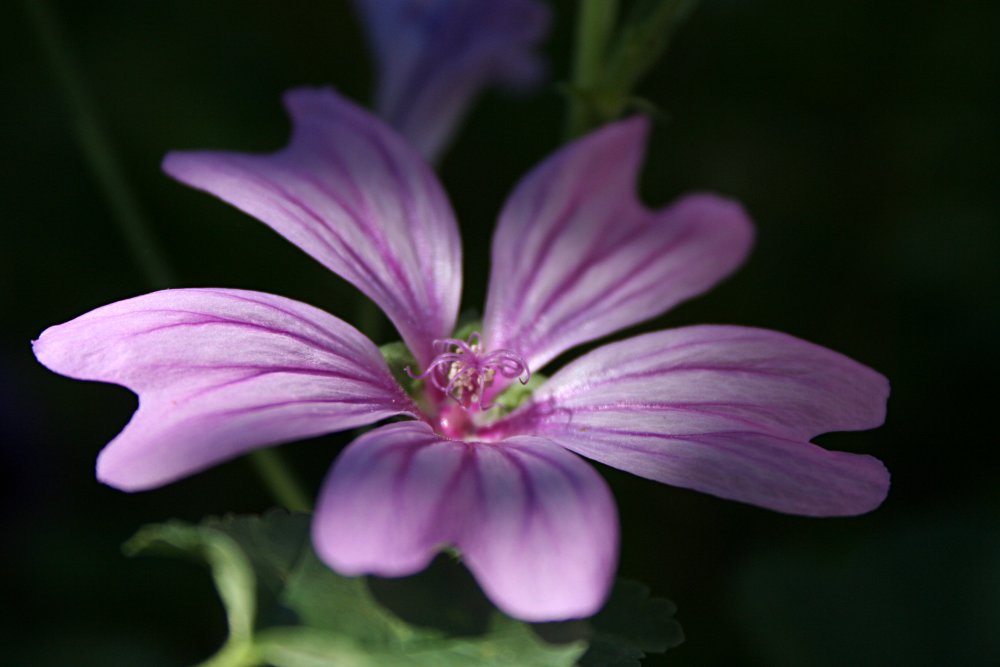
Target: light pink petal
{"type": "Point", "coordinates": [721, 409]}
{"type": "Point", "coordinates": [435, 56]}
{"type": "Point", "coordinates": [544, 545]}
{"type": "Point", "coordinates": [535, 524]}
{"type": "Point", "coordinates": [576, 256]}
{"type": "Point", "coordinates": [356, 197]}
{"type": "Point", "coordinates": [219, 373]}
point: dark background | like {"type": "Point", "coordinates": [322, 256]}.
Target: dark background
{"type": "Point", "coordinates": [863, 137]}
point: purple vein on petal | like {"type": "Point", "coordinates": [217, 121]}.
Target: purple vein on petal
{"type": "Point", "coordinates": [243, 370]}
{"type": "Point", "coordinates": [576, 255]}
{"type": "Point", "coordinates": [720, 409]}
{"type": "Point", "coordinates": [354, 196]}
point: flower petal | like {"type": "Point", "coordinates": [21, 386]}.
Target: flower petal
{"type": "Point", "coordinates": [536, 525]}
{"type": "Point", "coordinates": [721, 409]}
{"type": "Point", "coordinates": [219, 373]}
{"type": "Point", "coordinates": [544, 546]}
{"type": "Point", "coordinates": [355, 196]}
{"type": "Point", "coordinates": [576, 256]}
{"type": "Point", "coordinates": [435, 57]}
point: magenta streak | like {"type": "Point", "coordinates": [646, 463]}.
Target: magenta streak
{"type": "Point", "coordinates": [573, 480]}
{"type": "Point", "coordinates": [530, 498]}
{"type": "Point", "coordinates": [339, 344]}
{"type": "Point", "coordinates": [444, 505]}
{"type": "Point", "coordinates": [232, 163]}
{"type": "Point", "coordinates": [377, 289]}
{"type": "Point", "coordinates": [374, 235]}
{"type": "Point", "coordinates": [608, 297]}
{"type": "Point", "coordinates": [655, 352]}
{"type": "Point", "coordinates": [308, 401]}
{"type": "Point", "coordinates": [253, 376]}
{"type": "Point", "coordinates": [541, 252]}
{"type": "Point", "coordinates": [363, 275]}
{"type": "Point", "coordinates": [693, 408]}
{"type": "Point", "coordinates": [774, 461]}
{"type": "Point", "coordinates": [680, 368]}
{"type": "Point", "coordinates": [218, 321]}
{"type": "Point", "coordinates": [404, 187]}
{"type": "Point", "coordinates": [598, 251]}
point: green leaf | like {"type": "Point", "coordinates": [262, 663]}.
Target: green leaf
{"type": "Point", "coordinates": [328, 620]}
{"type": "Point", "coordinates": [231, 571]}
{"type": "Point", "coordinates": [507, 644]}
{"type": "Point", "coordinates": [632, 617]}
{"type": "Point", "coordinates": [341, 605]}
{"type": "Point", "coordinates": [274, 544]}
{"type": "Point", "coordinates": [631, 625]}
{"type": "Point", "coordinates": [311, 647]}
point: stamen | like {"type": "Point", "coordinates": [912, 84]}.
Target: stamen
{"type": "Point", "coordinates": [462, 372]}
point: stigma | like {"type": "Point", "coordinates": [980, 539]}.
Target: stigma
{"type": "Point", "coordinates": [462, 371]}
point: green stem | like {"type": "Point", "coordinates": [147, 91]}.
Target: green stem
{"type": "Point", "coordinates": [594, 25]}
{"type": "Point", "coordinates": [96, 148]}
{"type": "Point", "coordinates": [235, 654]}
{"type": "Point", "coordinates": [280, 480]}
{"type": "Point", "coordinates": [133, 225]}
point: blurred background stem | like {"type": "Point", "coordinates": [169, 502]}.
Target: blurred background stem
{"type": "Point", "coordinates": [96, 148]}
{"type": "Point", "coordinates": [594, 24]}
{"type": "Point", "coordinates": [102, 160]}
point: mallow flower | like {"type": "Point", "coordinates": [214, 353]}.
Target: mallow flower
{"type": "Point", "coordinates": [435, 56]}
{"type": "Point", "coordinates": [726, 410]}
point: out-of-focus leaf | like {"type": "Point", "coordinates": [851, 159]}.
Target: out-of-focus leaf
{"type": "Point", "coordinates": [341, 605]}
{"type": "Point", "coordinates": [507, 644]}
{"type": "Point", "coordinates": [274, 543]}
{"type": "Point", "coordinates": [631, 625]}
{"type": "Point", "coordinates": [340, 623]}
{"type": "Point", "coordinates": [311, 647]}
{"type": "Point", "coordinates": [231, 570]}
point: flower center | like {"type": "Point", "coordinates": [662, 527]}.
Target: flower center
{"type": "Point", "coordinates": [463, 371]}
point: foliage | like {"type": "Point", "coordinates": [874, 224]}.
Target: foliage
{"type": "Point", "coordinates": [286, 608]}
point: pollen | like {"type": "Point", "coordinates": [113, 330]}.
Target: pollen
{"type": "Point", "coordinates": [463, 371]}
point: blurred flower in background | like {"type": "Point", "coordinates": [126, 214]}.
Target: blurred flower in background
{"type": "Point", "coordinates": [435, 56]}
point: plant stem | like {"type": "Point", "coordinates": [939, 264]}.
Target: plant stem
{"type": "Point", "coordinates": [594, 25]}
{"type": "Point", "coordinates": [97, 150]}
{"type": "Point", "coordinates": [133, 225]}
{"type": "Point", "coordinates": [280, 480]}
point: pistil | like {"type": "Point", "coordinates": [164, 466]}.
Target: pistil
{"type": "Point", "coordinates": [463, 372]}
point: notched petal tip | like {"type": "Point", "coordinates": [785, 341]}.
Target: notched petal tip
{"type": "Point", "coordinates": [355, 196]}
{"type": "Point", "coordinates": [535, 524]}
{"type": "Point", "coordinates": [577, 255]}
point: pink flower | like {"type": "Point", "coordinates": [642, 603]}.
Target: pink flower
{"type": "Point", "coordinates": [435, 56]}
{"type": "Point", "coordinates": [722, 409]}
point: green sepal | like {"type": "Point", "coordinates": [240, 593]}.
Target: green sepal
{"type": "Point", "coordinates": [641, 42]}
{"type": "Point", "coordinates": [467, 328]}
{"type": "Point", "coordinates": [399, 358]}
{"type": "Point", "coordinates": [617, 66]}
{"type": "Point", "coordinates": [516, 395]}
